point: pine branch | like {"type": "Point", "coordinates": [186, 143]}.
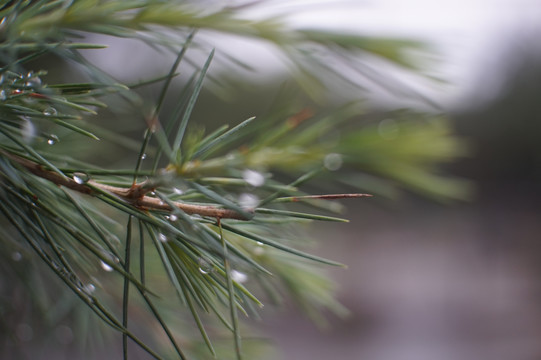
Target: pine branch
{"type": "Point", "coordinates": [205, 237]}
{"type": "Point", "coordinates": [135, 195]}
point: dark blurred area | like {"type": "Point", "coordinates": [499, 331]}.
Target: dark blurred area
{"type": "Point", "coordinates": [448, 282]}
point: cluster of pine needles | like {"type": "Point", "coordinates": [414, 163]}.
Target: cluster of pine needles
{"type": "Point", "coordinates": [220, 211]}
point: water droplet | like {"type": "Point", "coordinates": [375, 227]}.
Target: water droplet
{"type": "Point", "coordinates": [89, 288]}
{"type": "Point", "coordinates": [333, 161]}
{"type": "Point", "coordinates": [33, 81]}
{"type": "Point", "coordinates": [106, 266]}
{"type": "Point", "coordinates": [258, 250]}
{"type": "Point", "coordinates": [16, 256]}
{"type": "Point", "coordinates": [238, 276]}
{"type": "Point", "coordinates": [178, 191]}
{"type": "Point", "coordinates": [162, 238]}
{"type": "Point", "coordinates": [24, 332]}
{"type": "Point", "coordinates": [53, 139]}
{"type": "Point", "coordinates": [28, 129]}
{"type": "Point", "coordinates": [143, 157]}
{"type": "Point", "coordinates": [205, 266]}
{"type": "Point", "coordinates": [50, 111]}
{"type": "Point", "coordinates": [153, 193]}
{"type": "Point", "coordinates": [172, 218]}
{"type": "Point", "coordinates": [80, 177]}
{"type": "Point", "coordinates": [248, 201]}
{"type": "Point", "coordinates": [3, 95]}
{"type": "Point", "coordinates": [253, 177]}
{"type": "Point", "coordinates": [388, 129]}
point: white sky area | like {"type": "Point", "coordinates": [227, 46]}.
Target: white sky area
{"type": "Point", "coordinates": [468, 36]}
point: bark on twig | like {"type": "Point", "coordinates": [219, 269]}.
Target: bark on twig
{"type": "Point", "coordinates": [135, 195]}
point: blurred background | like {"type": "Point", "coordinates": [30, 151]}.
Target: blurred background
{"type": "Point", "coordinates": [425, 280]}
{"type": "Point", "coordinates": [460, 281]}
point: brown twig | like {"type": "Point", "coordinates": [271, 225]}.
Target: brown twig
{"type": "Point", "coordinates": [135, 195]}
